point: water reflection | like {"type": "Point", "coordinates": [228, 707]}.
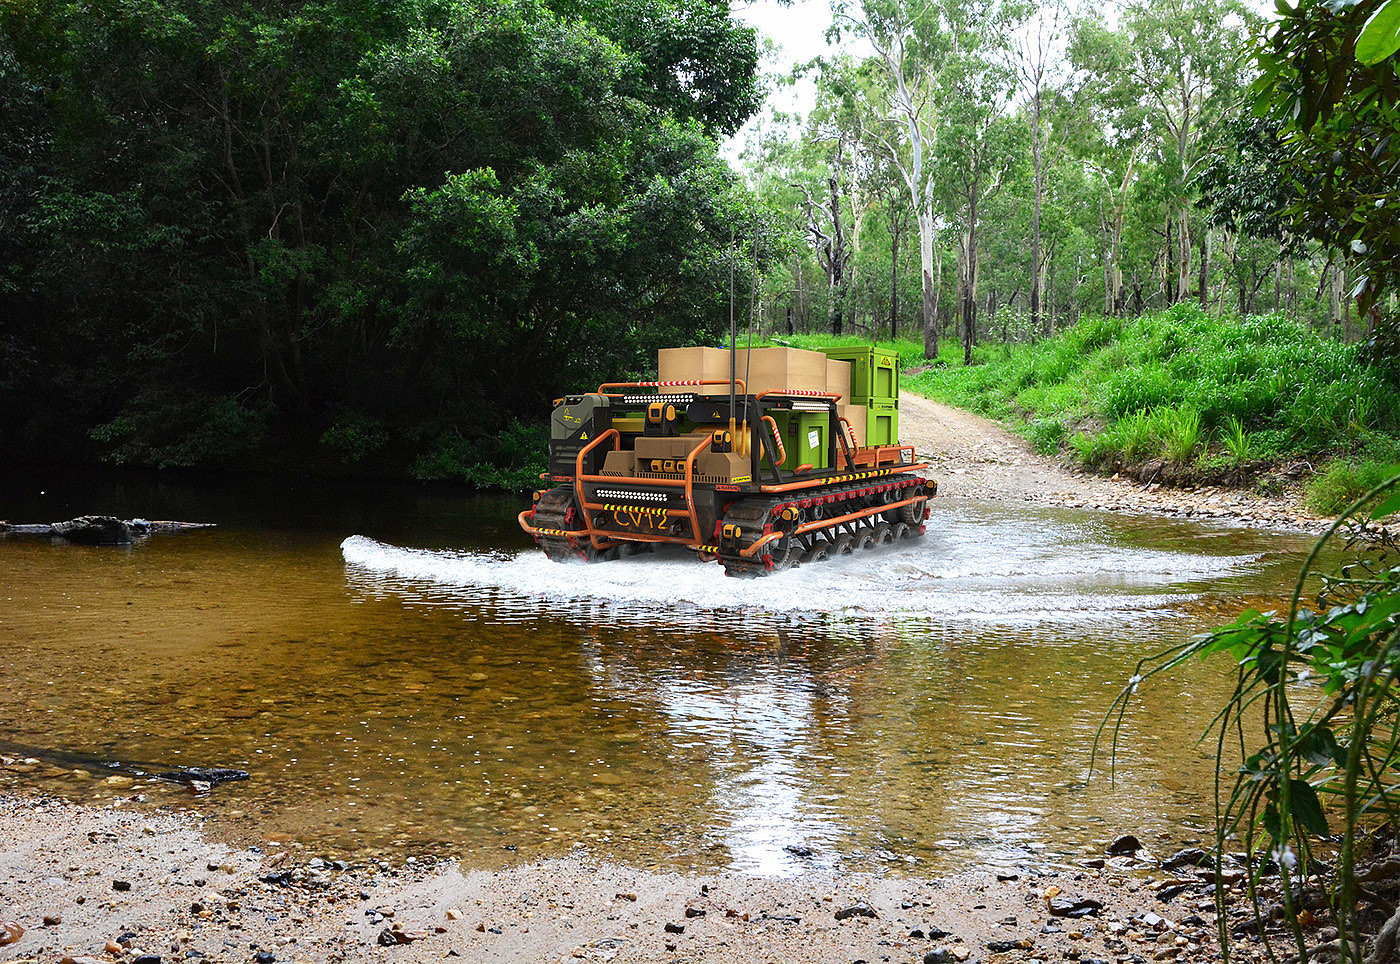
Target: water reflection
{"type": "Point", "coordinates": [902, 709]}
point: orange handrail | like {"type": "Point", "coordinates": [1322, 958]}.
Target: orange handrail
{"type": "Point", "coordinates": [826, 523]}
{"type": "Point", "coordinates": [690, 485]}
{"type": "Point", "coordinates": [777, 439]}
{"type": "Point", "coordinates": [738, 382]}
{"type": "Point", "coordinates": [535, 531]}
{"type": "Point", "coordinates": [850, 431]}
{"type": "Point", "coordinates": [809, 483]}
{"type": "Point", "coordinates": [616, 438]}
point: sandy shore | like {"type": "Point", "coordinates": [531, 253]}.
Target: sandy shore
{"type": "Point", "coordinates": [132, 886]}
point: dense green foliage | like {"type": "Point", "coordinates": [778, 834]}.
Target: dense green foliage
{"type": "Point", "coordinates": [1315, 719]}
{"type": "Point", "coordinates": [1340, 125]}
{"type": "Point", "coordinates": [335, 234]}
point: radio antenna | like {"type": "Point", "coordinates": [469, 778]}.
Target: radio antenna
{"type": "Point", "coordinates": [753, 300]}
{"type": "Point", "coordinates": [733, 335]}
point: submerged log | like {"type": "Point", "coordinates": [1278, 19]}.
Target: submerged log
{"type": "Point", "coordinates": [98, 530]}
{"type": "Point", "coordinates": [199, 779]}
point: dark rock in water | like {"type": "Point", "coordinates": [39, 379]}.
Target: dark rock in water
{"type": "Point", "coordinates": [798, 850]}
{"type": "Point", "coordinates": [1191, 857]}
{"type": "Point", "coordinates": [1126, 844]}
{"type": "Point", "coordinates": [209, 775]}
{"type": "Point", "coordinates": [856, 910]}
{"type": "Point", "coordinates": [1074, 907]}
{"type": "Point", "coordinates": [94, 530]}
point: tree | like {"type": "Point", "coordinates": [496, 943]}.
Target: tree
{"type": "Point", "coordinates": [1339, 118]}
{"type": "Point", "coordinates": [334, 219]}
{"type": "Point", "coordinates": [904, 114]}
{"type": "Point", "coordinates": [1040, 66]}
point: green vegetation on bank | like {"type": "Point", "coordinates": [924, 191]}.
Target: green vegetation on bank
{"type": "Point", "coordinates": [1184, 395]}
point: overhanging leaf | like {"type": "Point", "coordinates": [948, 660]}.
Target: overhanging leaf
{"type": "Point", "coordinates": [1380, 38]}
{"type": "Point", "coordinates": [1390, 505]}
{"type": "Point", "coordinates": [1306, 808]}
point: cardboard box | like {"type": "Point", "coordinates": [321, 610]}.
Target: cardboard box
{"type": "Point", "coordinates": [778, 369]}
{"type": "Point", "coordinates": [762, 369]}
{"type": "Point", "coordinates": [667, 448]}
{"type": "Point", "coordinates": [687, 364]}
{"type": "Point", "coordinates": [856, 415]}
{"type": "Point", "coordinates": [838, 377]}
{"type": "Point", "coordinates": [620, 462]}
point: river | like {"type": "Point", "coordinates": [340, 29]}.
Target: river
{"type": "Point", "coordinates": [402, 672]}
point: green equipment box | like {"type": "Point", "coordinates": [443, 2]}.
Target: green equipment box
{"type": "Point", "coordinates": [874, 373]}
{"type": "Point", "coordinates": [882, 423]}
{"type": "Point", "coordinates": [805, 436]}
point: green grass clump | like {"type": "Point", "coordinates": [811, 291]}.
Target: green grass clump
{"type": "Point", "coordinates": [1344, 481]}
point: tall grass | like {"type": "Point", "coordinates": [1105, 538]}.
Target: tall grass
{"type": "Point", "coordinates": [1179, 385]}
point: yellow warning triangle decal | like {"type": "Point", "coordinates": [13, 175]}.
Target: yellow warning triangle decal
{"type": "Point", "coordinates": [583, 436]}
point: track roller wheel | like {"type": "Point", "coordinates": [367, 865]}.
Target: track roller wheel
{"type": "Point", "coordinates": [899, 531]}
{"type": "Point", "coordinates": [786, 553]}
{"type": "Point", "coordinates": [881, 535]}
{"type": "Point", "coordinates": [865, 538]}
{"type": "Point", "coordinates": [913, 514]}
{"type": "Point", "coordinates": [842, 545]}
{"type": "Point", "coordinates": [818, 553]}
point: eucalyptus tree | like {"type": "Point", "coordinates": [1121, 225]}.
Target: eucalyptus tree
{"type": "Point", "coordinates": [1037, 57]}
{"type": "Point", "coordinates": [904, 110]}
{"type": "Point", "coordinates": [978, 142]}
{"type": "Point", "coordinates": [1180, 61]}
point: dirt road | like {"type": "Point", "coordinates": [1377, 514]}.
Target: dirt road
{"type": "Point", "coordinates": [977, 458]}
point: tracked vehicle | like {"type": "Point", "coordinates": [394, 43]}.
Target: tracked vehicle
{"type": "Point", "coordinates": [760, 475]}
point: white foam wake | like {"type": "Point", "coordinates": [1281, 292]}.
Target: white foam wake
{"type": "Point", "coordinates": [983, 569]}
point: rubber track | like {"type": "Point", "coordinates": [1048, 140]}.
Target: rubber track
{"type": "Point", "coordinates": [556, 510]}
{"type": "Point", "coordinates": [756, 517]}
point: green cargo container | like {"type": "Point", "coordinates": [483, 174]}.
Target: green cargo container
{"type": "Point", "coordinates": [805, 436]}
{"type": "Point", "coordinates": [882, 422]}
{"type": "Point", "coordinates": [874, 373]}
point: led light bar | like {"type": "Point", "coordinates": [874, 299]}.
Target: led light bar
{"type": "Point", "coordinates": [672, 399]}
{"type": "Point", "coordinates": [626, 495]}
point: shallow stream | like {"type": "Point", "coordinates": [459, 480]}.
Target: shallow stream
{"type": "Point", "coordinates": [400, 670]}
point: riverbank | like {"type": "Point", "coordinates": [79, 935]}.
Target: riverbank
{"type": "Point", "coordinates": [978, 458]}
{"type": "Point", "coordinates": [117, 884]}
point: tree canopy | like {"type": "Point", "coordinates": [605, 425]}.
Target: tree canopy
{"type": "Point", "coordinates": [349, 228]}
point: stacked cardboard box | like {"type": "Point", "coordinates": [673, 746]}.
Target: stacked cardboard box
{"type": "Point", "coordinates": [762, 369]}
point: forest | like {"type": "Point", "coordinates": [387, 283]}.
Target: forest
{"type": "Point", "coordinates": [331, 236]}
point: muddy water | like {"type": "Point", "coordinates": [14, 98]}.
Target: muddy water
{"type": "Point", "coordinates": [400, 672]}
